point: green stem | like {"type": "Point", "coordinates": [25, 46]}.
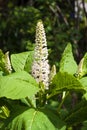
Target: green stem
{"type": "Point", "coordinates": [63, 99]}
{"type": "Point", "coordinates": [49, 96]}
{"type": "Point", "coordinates": [29, 101]}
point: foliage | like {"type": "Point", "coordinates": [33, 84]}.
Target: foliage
{"type": "Point", "coordinates": [18, 21]}
{"type": "Point", "coordinates": [26, 104]}
{"type": "Point", "coordinates": [17, 29]}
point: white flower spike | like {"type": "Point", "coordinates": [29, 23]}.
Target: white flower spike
{"type": "Point", "coordinates": [40, 67]}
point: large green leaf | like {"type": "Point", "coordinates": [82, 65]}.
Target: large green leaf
{"type": "Point", "coordinates": [67, 63]}
{"type": "Point", "coordinates": [31, 120]}
{"type": "Point", "coordinates": [22, 61]}
{"type": "Point", "coordinates": [18, 85]}
{"type": "Point", "coordinates": [64, 82]}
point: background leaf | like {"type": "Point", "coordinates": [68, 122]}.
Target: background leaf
{"type": "Point", "coordinates": [18, 85]}
{"type": "Point", "coordinates": [67, 63]}
{"type": "Point", "coordinates": [22, 61]}
{"type": "Point", "coordinates": [78, 114]}
{"type": "Point", "coordinates": [84, 127]}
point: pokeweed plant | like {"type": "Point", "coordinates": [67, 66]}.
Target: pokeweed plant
{"type": "Point", "coordinates": [33, 96]}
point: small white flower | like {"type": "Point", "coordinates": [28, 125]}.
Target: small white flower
{"type": "Point", "coordinates": [40, 67]}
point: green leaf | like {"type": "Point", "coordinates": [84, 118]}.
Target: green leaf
{"type": "Point", "coordinates": [67, 63]}
{"type": "Point", "coordinates": [22, 61]}
{"type": "Point", "coordinates": [31, 119]}
{"type": "Point", "coordinates": [64, 82]}
{"type": "Point", "coordinates": [82, 67]}
{"type": "Point", "coordinates": [83, 81]}
{"type": "Point", "coordinates": [18, 85]}
{"type": "Point", "coordinates": [78, 114]}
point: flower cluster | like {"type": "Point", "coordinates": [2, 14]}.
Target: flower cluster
{"type": "Point", "coordinates": [40, 67]}
{"type": "Point", "coordinates": [7, 63]}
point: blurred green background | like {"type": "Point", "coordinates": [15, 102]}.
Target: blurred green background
{"type": "Point", "coordinates": [64, 22]}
